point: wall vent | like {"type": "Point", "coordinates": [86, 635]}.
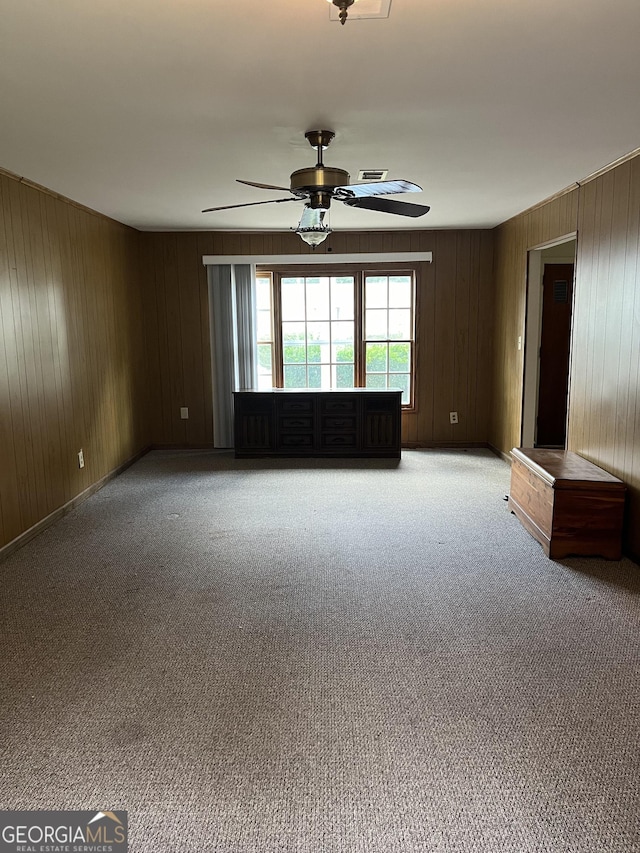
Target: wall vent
{"type": "Point", "coordinates": [373, 174]}
{"type": "Point", "coordinates": [560, 291]}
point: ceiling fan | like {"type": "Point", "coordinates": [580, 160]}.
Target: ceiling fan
{"type": "Point", "coordinates": [321, 184]}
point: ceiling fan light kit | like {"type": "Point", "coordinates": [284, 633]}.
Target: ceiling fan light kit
{"type": "Point", "coordinates": [311, 227]}
{"type": "Point", "coordinates": [318, 185]}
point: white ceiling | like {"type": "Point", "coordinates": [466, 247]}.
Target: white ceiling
{"type": "Point", "coordinates": [147, 110]}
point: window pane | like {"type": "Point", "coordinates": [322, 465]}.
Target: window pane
{"type": "Point", "coordinates": [342, 352]}
{"type": "Point", "coordinates": [400, 324]}
{"type": "Point", "coordinates": [377, 358]}
{"type": "Point", "coordinates": [265, 375]}
{"type": "Point", "coordinates": [376, 325]}
{"type": "Point", "coordinates": [375, 291]}
{"type": "Point", "coordinates": [318, 342]}
{"type": "Point", "coordinates": [315, 376]}
{"type": "Point", "coordinates": [314, 353]}
{"type": "Point", "coordinates": [263, 294]}
{"type": "Point", "coordinates": [399, 358]}
{"type": "Point", "coordinates": [293, 333]}
{"type": "Point", "coordinates": [400, 291]}
{"type": "Point", "coordinates": [342, 298]}
{"type": "Point", "coordinates": [295, 376]}
{"type": "Point", "coordinates": [264, 358]}
{"type": "Point", "coordinates": [317, 299]}
{"type": "Point", "coordinates": [318, 332]}
{"type": "Point", "coordinates": [376, 380]}
{"type": "Point", "coordinates": [292, 297]}
{"type": "Point", "coordinates": [294, 354]}
{"type": "Point", "coordinates": [401, 381]}
{"type": "Point", "coordinates": [342, 339]}
{"type": "Point", "coordinates": [263, 323]}
{"type": "Point", "coordinates": [343, 376]}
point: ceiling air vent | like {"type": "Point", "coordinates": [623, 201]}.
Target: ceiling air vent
{"type": "Point", "coordinates": [373, 174]}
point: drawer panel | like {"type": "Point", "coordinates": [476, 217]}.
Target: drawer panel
{"type": "Point", "coordinates": [338, 440]}
{"type": "Point", "coordinates": [301, 440]}
{"type": "Point", "coordinates": [381, 402]}
{"type": "Point", "coordinates": [339, 422]}
{"type": "Point", "coordinates": [298, 422]}
{"type": "Point", "coordinates": [295, 404]}
{"type": "Point", "coordinates": [338, 404]}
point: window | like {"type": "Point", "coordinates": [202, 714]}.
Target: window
{"type": "Point", "coordinates": [264, 328]}
{"type": "Point", "coordinates": [339, 330]}
{"type": "Point", "coordinates": [318, 331]}
{"type": "Point", "coordinates": [389, 332]}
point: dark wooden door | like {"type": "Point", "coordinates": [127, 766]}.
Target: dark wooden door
{"type": "Point", "coordinates": [553, 382]}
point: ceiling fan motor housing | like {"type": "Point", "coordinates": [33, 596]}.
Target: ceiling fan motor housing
{"type": "Point", "coordinates": [318, 182]}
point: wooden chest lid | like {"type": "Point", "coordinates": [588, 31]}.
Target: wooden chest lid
{"type": "Point", "coordinates": [563, 469]}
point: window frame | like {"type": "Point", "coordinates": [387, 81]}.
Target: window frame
{"type": "Point", "coordinates": [267, 274]}
{"type": "Point", "coordinates": [411, 405]}
{"type": "Point", "coordinates": [359, 275]}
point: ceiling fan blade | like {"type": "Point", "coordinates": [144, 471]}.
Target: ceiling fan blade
{"type": "Point", "coordinates": [250, 204]}
{"type": "Point", "coordinates": [387, 205]}
{"type": "Point", "coordinates": [376, 188]}
{"type": "Point", "coordinates": [263, 186]}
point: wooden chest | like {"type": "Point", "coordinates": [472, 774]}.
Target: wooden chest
{"type": "Point", "coordinates": [567, 503]}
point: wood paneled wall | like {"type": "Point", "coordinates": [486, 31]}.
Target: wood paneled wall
{"type": "Point", "coordinates": [604, 401]}
{"type": "Point", "coordinates": [604, 396]}
{"type": "Point", "coordinates": [513, 239]}
{"type": "Point", "coordinates": [72, 363]}
{"type": "Point", "coordinates": [454, 327]}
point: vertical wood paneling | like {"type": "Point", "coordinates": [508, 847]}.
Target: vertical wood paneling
{"type": "Point", "coordinates": [445, 331]}
{"type": "Point", "coordinates": [604, 401]}
{"type": "Point", "coordinates": [463, 431]}
{"type": "Point", "coordinates": [72, 361]}
{"type": "Point", "coordinates": [452, 332]}
{"type": "Point", "coordinates": [189, 282]}
{"type": "Point", "coordinates": [9, 380]}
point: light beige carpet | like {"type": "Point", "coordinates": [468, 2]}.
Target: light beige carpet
{"type": "Point", "coordinates": [342, 657]}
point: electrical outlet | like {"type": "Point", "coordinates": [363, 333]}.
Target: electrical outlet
{"type": "Point", "coordinates": [184, 413]}
{"type": "Point", "coordinates": [453, 417]}
{"type": "Point", "coordinates": [81, 459]}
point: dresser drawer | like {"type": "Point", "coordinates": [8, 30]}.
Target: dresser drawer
{"type": "Point", "coordinates": [296, 440]}
{"type": "Point", "coordinates": [338, 404]}
{"type": "Point", "coordinates": [339, 422]}
{"type": "Point", "coordinates": [296, 422]}
{"type": "Point", "coordinates": [338, 440]}
{"type": "Point", "coordinates": [295, 404]}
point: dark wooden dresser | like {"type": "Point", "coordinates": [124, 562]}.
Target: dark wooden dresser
{"type": "Point", "coordinates": [567, 503]}
{"type": "Point", "coordinates": [348, 423]}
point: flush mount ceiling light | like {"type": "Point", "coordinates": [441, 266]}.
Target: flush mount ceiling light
{"type": "Point", "coordinates": [342, 5]}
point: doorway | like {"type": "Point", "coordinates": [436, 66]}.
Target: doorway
{"type": "Point", "coordinates": [550, 284]}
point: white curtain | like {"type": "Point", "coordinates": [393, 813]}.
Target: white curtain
{"type": "Point", "coordinates": [234, 365]}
